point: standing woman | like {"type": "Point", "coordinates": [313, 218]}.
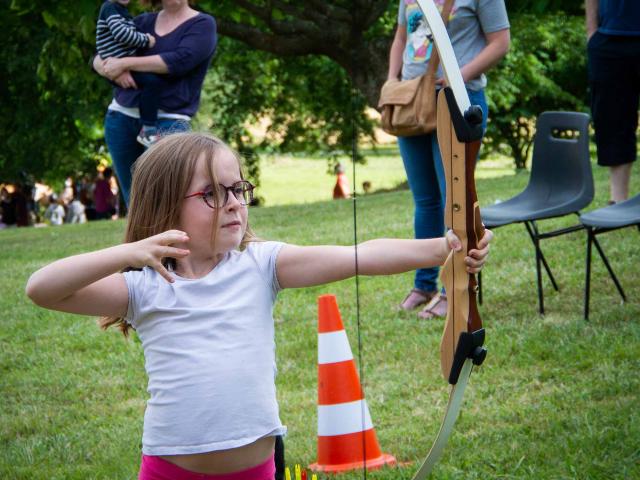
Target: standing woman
{"type": "Point", "coordinates": [185, 43]}
{"type": "Point", "coordinates": [479, 32]}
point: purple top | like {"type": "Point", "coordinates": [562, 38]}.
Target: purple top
{"type": "Point", "coordinates": [187, 51]}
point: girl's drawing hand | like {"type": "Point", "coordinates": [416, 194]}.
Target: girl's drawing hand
{"type": "Point", "coordinates": [477, 257]}
{"type": "Point", "coordinates": [151, 251]}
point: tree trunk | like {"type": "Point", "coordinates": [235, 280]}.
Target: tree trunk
{"type": "Point", "coordinates": [314, 27]}
{"type": "Point", "coordinates": [370, 69]}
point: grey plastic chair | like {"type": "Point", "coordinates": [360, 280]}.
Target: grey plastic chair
{"type": "Point", "coordinates": [621, 215]}
{"type": "Point", "coordinates": [561, 183]}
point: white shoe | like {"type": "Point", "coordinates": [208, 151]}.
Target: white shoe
{"type": "Point", "coordinates": [147, 140]}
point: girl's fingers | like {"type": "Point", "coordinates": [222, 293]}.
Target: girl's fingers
{"type": "Point", "coordinates": [475, 258]}
{"type": "Point", "coordinates": [169, 237]}
{"type": "Point", "coordinates": [163, 272]}
{"type": "Point", "coordinates": [483, 243]}
{"type": "Point", "coordinates": [473, 262]}
{"type": "Point", "coordinates": [486, 239]}
{"type": "Point", "coordinates": [173, 236]}
{"type": "Point", "coordinates": [178, 232]}
{"type": "Point", "coordinates": [453, 240]}
{"type": "Point", "coordinates": [479, 254]}
{"type": "Point", "coordinates": [173, 252]}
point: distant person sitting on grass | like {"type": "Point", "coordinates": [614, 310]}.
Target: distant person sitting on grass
{"type": "Point", "coordinates": [76, 210]}
{"type": "Point", "coordinates": [199, 289]}
{"type": "Point", "coordinates": [55, 211]}
{"type": "Point", "coordinates": [117, 36]}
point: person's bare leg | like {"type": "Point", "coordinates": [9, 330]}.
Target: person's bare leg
{"type": "Point", "coordinates": [619, 180]}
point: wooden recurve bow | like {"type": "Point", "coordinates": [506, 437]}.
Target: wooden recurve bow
{"type": "Point", "coordinates": [459, 130]}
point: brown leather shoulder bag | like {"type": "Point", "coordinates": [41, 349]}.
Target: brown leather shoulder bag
{"type": "Point", "coordinates": [409, 107]}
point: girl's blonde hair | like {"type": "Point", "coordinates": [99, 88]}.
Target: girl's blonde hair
{"type": "Point", "coordinates": [161, 177]}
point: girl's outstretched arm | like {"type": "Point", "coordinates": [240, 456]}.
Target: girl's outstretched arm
{"type": "Point", "coordinates": [307, 266]}
{"type": "Point", "coordinates": [90, 284]}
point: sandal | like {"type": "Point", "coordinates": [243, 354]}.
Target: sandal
{"type": "Point", "coordinates": [436, 308]}
{"type": "Point", "coordinates": [416, 298]}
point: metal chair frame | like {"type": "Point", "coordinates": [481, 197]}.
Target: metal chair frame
{"type": "Point", "coordinates": [536, 237]}
{"type": "Point", "coordinates": [592, 240]}
{"type": "Point", "coordinates": [607, 219]}
{"type": "Point", "coordinates": [560, 184]}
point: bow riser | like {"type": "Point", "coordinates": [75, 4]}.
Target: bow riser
{"type": "Point", "coordinates": [462, 216]}
{"type": "Point", "coordinates": [475, 229]}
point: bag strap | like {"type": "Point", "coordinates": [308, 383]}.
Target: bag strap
{"type": "Point", "coordinates": [434, 61]}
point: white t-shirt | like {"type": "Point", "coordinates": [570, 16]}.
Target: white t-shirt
{"type": "Point", "coordinates": [209, 353]}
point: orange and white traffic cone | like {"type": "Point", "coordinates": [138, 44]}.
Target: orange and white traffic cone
{"type": "Point", "coordinates": [346, 437]}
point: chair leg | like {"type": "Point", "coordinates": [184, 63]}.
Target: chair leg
{"type": "Point", "coordinates": [536, 244]}
{"type": "Point", "coordinates": [533, 233]}
{"type": "Point", "coordinates": [539, 278]}
{"type": "Point", "coordinates": [606, 262]}
{"type": "Point", "coordinates": [480, 288]}
{"type": "Point", "coordinates": [587, 283]}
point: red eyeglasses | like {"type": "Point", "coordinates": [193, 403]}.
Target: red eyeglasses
{"type": "Point", "coordinates": [242, 191]}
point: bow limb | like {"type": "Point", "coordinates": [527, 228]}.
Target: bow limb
{"type": "Point", "coordinates": [451, 415]}
{"type": "Point", "coordinates": [447, 56]}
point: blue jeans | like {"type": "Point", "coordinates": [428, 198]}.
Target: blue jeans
{"type": "Point", "coordinates": [425, 173]}
{"type": "Point", "coordinates": [120, 132]}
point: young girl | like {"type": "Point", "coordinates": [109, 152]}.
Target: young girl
{"type": "Point", "coordinates": [198, 287]}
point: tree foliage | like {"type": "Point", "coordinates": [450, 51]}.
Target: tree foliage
{"type": "Point", "coordinates": [303, 104]}
{"type": "Point", "coordinates": [538, 7]}
{"type": "Point", "coordinates": [544, 70]}
{"type": "Point", "coordinates": [355, 34]}
{"type": "Point", "coordinates": [307, 67]}
{"type": "Point", "coordinates": [49, 98]}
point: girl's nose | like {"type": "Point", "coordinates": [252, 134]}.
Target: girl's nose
{"type": "Point", "coordinates": [232, 202]}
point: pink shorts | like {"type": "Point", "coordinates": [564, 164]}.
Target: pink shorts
{"type": "Point", "coordinates": [156, 468]}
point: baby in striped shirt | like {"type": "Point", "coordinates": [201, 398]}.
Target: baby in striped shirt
{"type": "Point", "coordinates": [118, 36]}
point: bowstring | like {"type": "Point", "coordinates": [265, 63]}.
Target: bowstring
{"type": "Point", "coordinates": [353, 105]}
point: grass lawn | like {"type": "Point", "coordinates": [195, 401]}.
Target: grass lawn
{"type": "Point", "coordinates": [307, 180]}
{"type": "Point", "coordinates": [557, 398]}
